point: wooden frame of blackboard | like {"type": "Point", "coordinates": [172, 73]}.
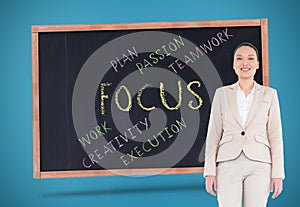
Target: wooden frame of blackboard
{"type": "Point", "coordinates": [37, 173]}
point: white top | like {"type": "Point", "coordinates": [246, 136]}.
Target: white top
{"type": "Point", "coordinates": [244, 103]}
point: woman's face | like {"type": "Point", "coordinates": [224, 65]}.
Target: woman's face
{"type": "Point", "coordinates": [245, 62]}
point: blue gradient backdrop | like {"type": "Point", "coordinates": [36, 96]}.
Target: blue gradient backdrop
{"type": "Point", "coordinates": [18, 188]}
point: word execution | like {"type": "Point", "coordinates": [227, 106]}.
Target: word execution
{"type": "Point", "coordinates": [158, 140]}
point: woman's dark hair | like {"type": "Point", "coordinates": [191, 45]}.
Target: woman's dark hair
{"type": "Point", "coordinates": [249, 45]}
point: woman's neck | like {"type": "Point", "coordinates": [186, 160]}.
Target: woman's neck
{"type": "Point", "coordinates": [246, 86]}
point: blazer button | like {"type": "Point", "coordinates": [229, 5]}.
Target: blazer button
{"type": "Point", "coordinates": [243, 133]}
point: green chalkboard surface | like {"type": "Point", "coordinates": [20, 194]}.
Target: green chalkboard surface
{"type": "Point", "coordinates": [131, 99]}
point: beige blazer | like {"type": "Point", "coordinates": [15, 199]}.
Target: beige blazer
{"type": "Point", "coordinates": [261, 137]}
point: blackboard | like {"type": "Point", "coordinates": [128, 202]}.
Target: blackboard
{"type": "Point", "coordinates": [131, 99]}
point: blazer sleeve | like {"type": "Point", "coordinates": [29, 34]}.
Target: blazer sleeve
{"type": "Point", "coordinates": [214, 133]}
{"type": "Point", "coordinates": [274, 133]}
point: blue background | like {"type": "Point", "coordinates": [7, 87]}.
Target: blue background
{"type": "Point", "coordinates": [18, 188]}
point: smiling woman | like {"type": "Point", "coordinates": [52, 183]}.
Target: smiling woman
{"type": "Point", "coordinates": [248, 141]}
{"type": "Point", "coordinates": [246, 61]}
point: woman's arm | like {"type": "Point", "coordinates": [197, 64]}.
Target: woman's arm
{"type": "Point", "coordinates": [274, 133]}
{"type": "Point", "coordinates": [276, 143]}
{"type": "Point", "coordinates": [214, 133]}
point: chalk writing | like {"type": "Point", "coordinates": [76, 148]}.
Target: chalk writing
{"type": "Point", "coordinates": [119, 63]}
{"type": "Point", "coordinates": [127, 108]}
{"type": "Point", "coordinates": [159, 138]}
{"type": "Point", "coordinates": [160, 54]}
{"type": "Point", "coordinates": [205, 48]}
{"type": "Point", "coordinates": [115, 143]}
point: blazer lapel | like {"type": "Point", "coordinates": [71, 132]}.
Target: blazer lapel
{"type": "Point", "coordinates": [233, 102]}
{"type": "Point", "coordinates": [257, 99]}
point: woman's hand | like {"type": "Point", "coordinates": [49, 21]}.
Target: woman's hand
{"type": "Point", "coordinates": [276, 186]}
{"type": "Point", "coordinates": [211, 185]}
